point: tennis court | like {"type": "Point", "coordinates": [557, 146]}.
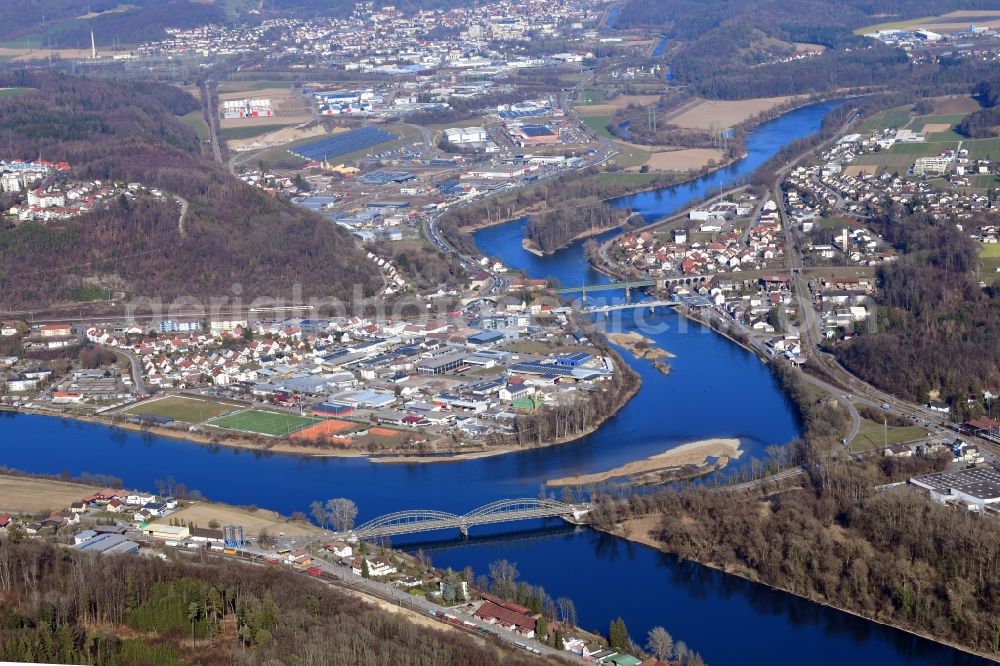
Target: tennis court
{"type": "Point", "coordinates": [325, 429]}
{"type": "Point", "coordinates": [273, 424]}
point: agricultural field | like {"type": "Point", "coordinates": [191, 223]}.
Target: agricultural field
{"type": "Point", "coordinates": [949, 23]}
{"type": "Point", "coordinates": [187, 409]}
{"type": "Point", "coordinates": [598, 125]}
{"type": "Point", "coordinates": [989, 260]}
{"type": "Point", "coordinates": [196, 121]}
{"type": "Point", "coordinates": [630, 157]}
{"type": "Point", "coordinates": [272, 424]}
{"type": "Point", "coordinates": [926, 149]}
{"type": "Point", "coordinates": [984, 182]}
{"type": "Point", "coordinates": [983, 148]}
{"type": "Point", "coordinates": [28, 495]}
{"type": "Point", "coordinates": [253, 521]}
{"type": "Point", "coordinates": [895, 117]}
{"type": "Point", "coordinates": [710, 114]}
{"type": "Point", "coordinates": [886, 158]}
{"type": "Point", "coordinates": [248, 132]}
{"type": "Point", "coordinates": [920, 123]}
{"type": "Point", "coordinates": [242, 86]}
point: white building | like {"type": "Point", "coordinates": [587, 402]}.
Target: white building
{"type": "Point", "coordinates": [462, 135]}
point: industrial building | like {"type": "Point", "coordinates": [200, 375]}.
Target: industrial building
{"type": "Point", "coordinates": [457, 136]}
{"type": "Point", "coordinates": [246, 108]}
{"type": "Point", "coordinates": [107, 544]}
{"type": "Point", "coordinates": [533, 135]}
{"type": "Point", "coordinates": [442, 364]}
{"type": "Point", "coordinates": [976, 488]}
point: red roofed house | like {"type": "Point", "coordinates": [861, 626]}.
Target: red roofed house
{"type": "Point", "coordinates": [54, 330]}
{"type": "Point", "coordinates": [506, 618]}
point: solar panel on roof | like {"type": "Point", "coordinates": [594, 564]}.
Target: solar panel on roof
{"type": "Point", "coordinates": [342, 144]}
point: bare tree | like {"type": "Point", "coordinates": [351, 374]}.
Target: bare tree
{"type": "Point", "coordinates": [567, 611]}
{"type": "Point", "coordinates": [341, 512]}
{"type": "Point", "coordinates": [319, 514]}
{"type": "Point", "coordinates": [660, 643]}
{"type": "Point", "coordinates": [504, 575]}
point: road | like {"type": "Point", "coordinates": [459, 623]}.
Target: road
{"type": "Point", "coordinates": [343, 577]}
{"type": "Point", "coordinates": [140, 387]}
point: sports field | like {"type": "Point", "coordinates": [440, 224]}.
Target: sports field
{"type": "Point", "coordinates": [181, 408]}
{"type": "Point", "coordinates": [325, 429]}
{"type": "Point", "coordinates": [273, 424]}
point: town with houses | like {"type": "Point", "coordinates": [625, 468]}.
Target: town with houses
{"type": "Point", "coordinates": [351, 382]}
{"type": "Point", "coordinates": [386, 41]}
{"type": "Point", "coordinates": [42, 191]}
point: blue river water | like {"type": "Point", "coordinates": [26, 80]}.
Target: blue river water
{"type": "Point", "coordinates": [714, 389]}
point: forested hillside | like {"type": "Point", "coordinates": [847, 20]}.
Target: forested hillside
{"type": "Point", "coordinates": [129, 132]}
{"type": "Point", "coordinates": [984, 123]}
{"type": "Point", "coordinates": [726, 47]}
{"type": "Point", "coordinates": [937, 329]}
{"type": "Point", "coordinates": [69, 607]}
{"type": "Point", "coordinates": [67, 23]}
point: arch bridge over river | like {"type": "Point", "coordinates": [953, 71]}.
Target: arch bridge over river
{"type": "Point", "coordinates": [503, 511]}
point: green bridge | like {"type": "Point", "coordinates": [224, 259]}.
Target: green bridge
{"type": "Point", "coordinates": [659, 283]}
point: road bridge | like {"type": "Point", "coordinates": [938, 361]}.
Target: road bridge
{"type": "Point", "coordinates": [595, 309]}
{"type": "Point", "coordinates": [658, 283]}
{"type": "Point", "coordinates": [503, 511]}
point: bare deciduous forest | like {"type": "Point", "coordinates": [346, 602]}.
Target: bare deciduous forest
{"type": "Point", "coordinates": [62, 606]}
{"type": "Point", "coordinates": [129, 132]}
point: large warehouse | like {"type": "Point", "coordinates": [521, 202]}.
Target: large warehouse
{"type": "Point", "coordinates": [459, 135]}
{"type": "Point", "coordinates": [533, 135]}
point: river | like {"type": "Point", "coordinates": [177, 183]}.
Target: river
{"type": "Point", "coordinates": [714, 389]}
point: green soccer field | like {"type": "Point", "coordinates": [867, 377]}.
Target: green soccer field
{"type": "Point", "coordinates": [260, 422]}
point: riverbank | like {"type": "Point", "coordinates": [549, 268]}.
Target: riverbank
{"type": "Point", "coordinates": [692, 454]}
{"type": "Point", "coordinates": [436, 453]}
{"type": "Point", "coordinates": [641, 530]}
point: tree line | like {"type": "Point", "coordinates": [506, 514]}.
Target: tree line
{"type": "Point", "coordinates": [64, 606]}
{"type": "Point", "coordinates": [984, 123]}
{"type": "Point", "coordinates": [935, 326]}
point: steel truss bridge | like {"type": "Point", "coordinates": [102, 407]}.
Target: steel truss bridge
{"type": "Point", "coordinates": [503, 511]}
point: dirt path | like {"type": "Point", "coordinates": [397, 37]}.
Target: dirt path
{"type": "Point", "coordinates": [185, 204]}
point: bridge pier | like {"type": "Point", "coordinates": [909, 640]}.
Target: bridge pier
{"type": "Point", "coordinates": [463, 528]}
